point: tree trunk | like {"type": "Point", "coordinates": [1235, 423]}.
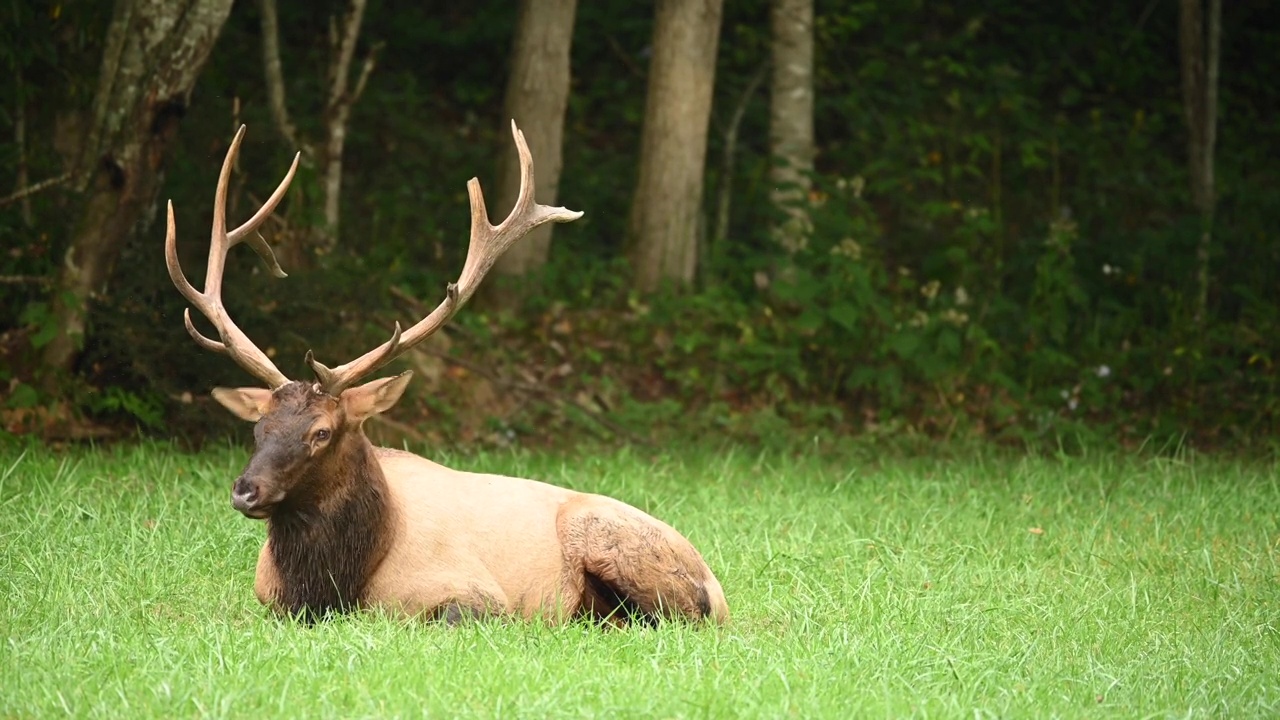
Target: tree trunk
{"type": "Point", "coordinates": [720, 233]}
{"type": "Point", "coordinates": [1200, 104]}
{"type": "Point", "coordinates": [663, 226]}
{"type": "Point", "coordinates": [337, 110]}
{"type": "Point", "coordinates": [791, 119]}
{"type": "Point", "coordinates": [537, 95]}
{"type": "Point", "coordinates": [20, 140]}
{"type": "Point", "coordinates": [154, 52]}
{"type": "Point", "coordinates": [273, 72]}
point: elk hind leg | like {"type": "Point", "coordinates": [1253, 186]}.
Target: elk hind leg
{"type": "Point", "coordinates": [631, 566]}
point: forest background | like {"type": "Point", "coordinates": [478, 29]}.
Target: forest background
{"type": "Point", "coordinates": [1033, 223]}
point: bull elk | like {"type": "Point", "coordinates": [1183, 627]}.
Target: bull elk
{"type": "Point", "coordinates": [351, 526]}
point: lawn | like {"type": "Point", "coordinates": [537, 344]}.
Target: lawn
{"type": "Point", "coordinates": [968, 586]}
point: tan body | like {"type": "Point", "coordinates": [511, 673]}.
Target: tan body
{"type": "Point", "coordinates": [514, 546]}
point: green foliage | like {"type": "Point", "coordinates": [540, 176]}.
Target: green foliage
{"type": "Point", "coordinates": [40, 316]}
{"type": "Point", "coordinates": [1001, 239]}
{"type": "Point", "coordinates": [22, 396]}
{"type": "Point", "coordinates": [144, 408]}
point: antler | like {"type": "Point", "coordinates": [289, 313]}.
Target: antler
{"type": "Point", "coordinates": [488, 242]}
{"type": "Point", "coordinates": [234, 342]}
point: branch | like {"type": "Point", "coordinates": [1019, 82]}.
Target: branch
{"type": "Point", "coordinates": [337, 110]}
{"type": "Point", "coordinates": [724, 196]}
{"type": "Point", "coordinates": [33, 189]}
{"type": "Point", "coordinates": [370, 61]}
{"type": "Point", "coordinates": [1137, 28]}
{"type": "Point", "coordinates": [25, 280]}
{"type": "Point", "coordinates": [415, 305]}
{"type": "Point", "coordinates": [627, 62]}
{"type": "Point", "coordinates": [274, 73]}
{"type": "Point", "coordinates": [272, 218]}
{"type": "Point", "coordinates": [341, 65]}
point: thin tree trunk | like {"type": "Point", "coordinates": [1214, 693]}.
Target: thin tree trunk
{"type": "Point", "coordinates": [274, 73]}
{"type": "Point", "coordinates": [337, 110]}
{"type": "Point", "coordinates": [154, 52]}
{"type": "Point", "coordinates": [791, 141]}
{"type": "Point", "coordinates": [1191, 40]}
{"type": "Point", "coordinates": [537, 95]}
{"type": "Point", "coordinates": [1200, 71]}
{"type": "Point", "coordinates": [20, 140]}
{"type": "Point", "coordinates": [293, 250]}
{"type": "Point", "coordinates": [724, 196]}
{"type": "Point", "coordinates": [663, 226]}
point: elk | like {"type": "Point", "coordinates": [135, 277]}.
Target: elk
{"type": "Point", "coordinates": [353, 526]}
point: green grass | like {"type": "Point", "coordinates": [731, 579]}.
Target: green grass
{"type": "Point", "coordinates": [1107, 586]}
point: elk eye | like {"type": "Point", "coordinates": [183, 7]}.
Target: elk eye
{"type": "Point", "coordinates": [322, 434]}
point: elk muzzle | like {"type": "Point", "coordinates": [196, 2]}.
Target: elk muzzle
{"type": "Point", "coordinates": [246, 497]}
{"type": "Point", "coordinates": [258, 489]}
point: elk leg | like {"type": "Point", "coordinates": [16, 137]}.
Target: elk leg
{"type": "Point", "coordinates": [456, 612]}
{"type": "Point", "coordinates": [266, 579]}
{"type": "Point", "coordinates": [456, 603]}
{"type": "Point", "coordinates": [452, 595]}
{"type": "Point", "coordinates": [626, 564]}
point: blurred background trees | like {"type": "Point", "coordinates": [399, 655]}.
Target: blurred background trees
{"type": "Point", "coordinates": [1022, 222]}
{"type": "Point", "coordinates": [537, 97]}
{"type": "Point", "coordinates": [667, 206]}
{"type": "Point", "coordinates": [152, 53]}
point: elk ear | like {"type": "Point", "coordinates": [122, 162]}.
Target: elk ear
{"type": "Point", "coordinates": [374, 397]}
{"type": "Point", "coordinates": [246, 403]}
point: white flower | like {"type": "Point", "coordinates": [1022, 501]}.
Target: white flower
{"type": "Point", "coordinates": [930, 289]}
{"type": "Point", "coordinates": [858, 183]}
{"type": "Point", "coordinates": [1103, 371]}
{"type": "Point", "coordinates": [849, 248]}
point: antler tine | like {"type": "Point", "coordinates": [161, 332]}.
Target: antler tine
{"type": "Point", "coordinates": [332, 382]}
{"type": "Point", "coordinates": [219, 241]}
{"type": "Point", "coordinates": [199, 337]}
{"type": "Point", "coordinates": [179, 279]}
{"type": "Point", "coordinates": [247, 232]}
{"type": "Point", "coordinates": [234, 342]}
{"type": "Point", "coordinates": [248, 226]}
{"type": "Point", "coordinates": [486, 245]}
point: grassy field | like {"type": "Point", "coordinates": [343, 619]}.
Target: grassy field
{"type": "Point", "coordinates": [979, 586]}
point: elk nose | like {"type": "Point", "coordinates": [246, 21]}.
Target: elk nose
{"type": "Point", "coordinates": [244, 494]}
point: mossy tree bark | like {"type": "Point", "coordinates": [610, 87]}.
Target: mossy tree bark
{"type": "Point", "coordinates": [154, 52]}
{"type": "Point", "coordinates": [791, 119]}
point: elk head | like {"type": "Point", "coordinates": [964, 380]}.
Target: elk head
{"type": "Point", "coordinates": [300, 431]}
{"type": "Point", "coordinates": [306, 433]}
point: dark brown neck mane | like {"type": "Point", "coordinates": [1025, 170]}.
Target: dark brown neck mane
{"type": "Point", "coordinates": [326, 545]}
